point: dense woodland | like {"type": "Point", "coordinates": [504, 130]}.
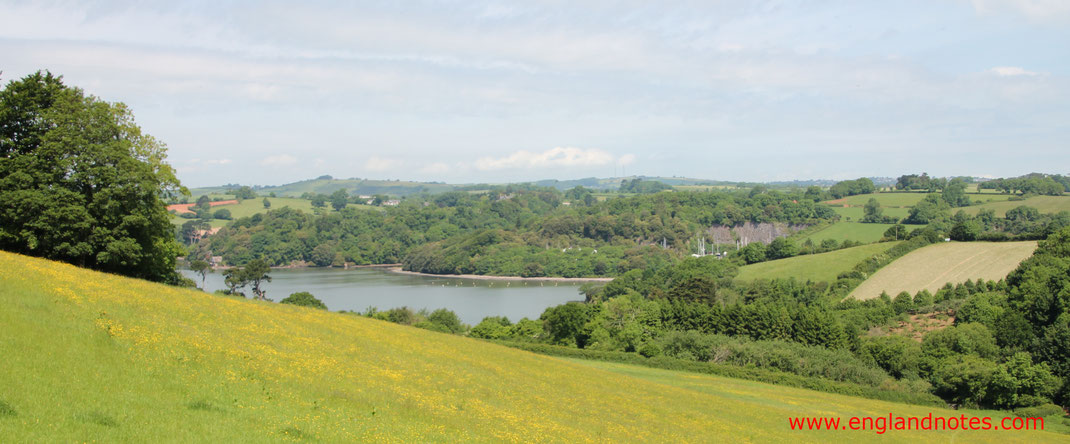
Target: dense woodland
{"type": "Point", "coordinates": [519, 231]}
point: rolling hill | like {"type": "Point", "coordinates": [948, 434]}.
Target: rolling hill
{"type": "Point", "coordinates": [932, 266]}
{"type": "Point", "coordinates": [327, 185]}
{"type": "Point", "coordinates": [96, 357]}
{"type": "Point", "coordinates": [813, 267]}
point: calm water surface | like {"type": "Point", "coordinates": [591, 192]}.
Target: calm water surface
{"type": "Point", "coordinates": [358, 289]}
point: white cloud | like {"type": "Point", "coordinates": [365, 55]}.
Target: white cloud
{"type": "Point", "coordinates": [376, 163]}
{"type": "Point", "coordinates": [435, 168]}
{"type": "Point", "coordinates": [626, 159]}
{"type": "Point", "coordinates": [555, 157]}
{"type": "Point", "coordinates": [280, 160]}
{"type": "Point", "coordinates": [1009, 71]}
{"type": "Point", "coordinates": [1037, 10]}
{"type": "Point", "coordinates": [216, 161]}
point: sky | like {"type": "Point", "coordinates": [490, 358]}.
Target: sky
{"type": "Point", "coordinates": [471, 91]}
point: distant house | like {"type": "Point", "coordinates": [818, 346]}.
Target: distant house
{"type": "Point", "coordinates": [566, 203]}
{"type": "Point", "coordinates": [392, 203]}
{"type": "Point", "coordinates": [364, 196]}
{"type": "Point", "coordinates": [216, 261]}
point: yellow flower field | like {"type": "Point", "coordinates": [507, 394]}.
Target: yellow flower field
{"type": "Point", "coordinates": [91, 357]}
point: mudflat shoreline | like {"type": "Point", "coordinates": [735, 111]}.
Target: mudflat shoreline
{"type": "Point", "coordinates": [398, 270]}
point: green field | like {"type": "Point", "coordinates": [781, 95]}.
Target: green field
{"type": "Point", "coordinates": [854, 214]}
{"type": "Point", "coordinates": [854, 231]}
{"type": "Point", "coordinates": [901, 199]}
{"type": "Point", "coordinates": [250, 207]}
{"type": "Point", "coordinates": [95, 357]}
{"type": "Point", "coordinates": [813, 267]}
{"type": "Point", "coordinates": [932, 266]}
{"type": "Point", "coordinates": [908, 199]}
{"type": "Point", "coordinates": [1044, 204]}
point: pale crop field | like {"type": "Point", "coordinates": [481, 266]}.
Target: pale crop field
{"type": "Point", "coordinates": [813, 267]}
{"type": "Point", "coordinates": [933, 266]}
{"type": "Point", "coordinates": [91, 357]}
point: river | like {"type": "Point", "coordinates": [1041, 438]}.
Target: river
{"type": "Point", "coordinates": [358, 289]}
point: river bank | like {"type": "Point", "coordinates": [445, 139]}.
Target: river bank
{"type": "Point", "coordinates": [398, 270]}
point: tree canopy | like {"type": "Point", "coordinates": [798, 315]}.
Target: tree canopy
{"type": "Point", "coordinates": [80, 182]}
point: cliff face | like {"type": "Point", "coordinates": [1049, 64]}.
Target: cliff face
{"type": "Point", "coordinates": [764, 232]}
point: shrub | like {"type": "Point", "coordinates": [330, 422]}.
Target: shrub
{"type": "Point", "coordinates": [223, 214]}
{"type": "Point", "coordinates": [443, 320]}
{"type": "Point", "coordinates": [491, 327]}
{"type": "Point", "coordinates": [304, 299]}
{"type": "Point", "coordinates": [1040, 411]}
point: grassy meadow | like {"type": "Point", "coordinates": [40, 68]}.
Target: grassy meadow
{"type": "Point", "coordinates": [788, 401]}
{"type": "Point", "coordinates": [813, 267]}
{"type": "Point", "coordinates": [91, 357]}
{"type": "Point", "coordinates": [250, 207]}
{"type": "Point", "coordinates": [853, 231]}
{"type": "Point", "coordinates": [900, 199]}
{"type": "Point", "coordinates": [1044, 204]}
{"type": "Point", "coordinates": [855, 214]}
{"type": "Point", "coordinates": [932, 266]}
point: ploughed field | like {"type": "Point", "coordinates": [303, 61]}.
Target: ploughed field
{"type": "Point", "coordinates": [94, 357]}
{"type": "Point", "coordinates": [933, 266]}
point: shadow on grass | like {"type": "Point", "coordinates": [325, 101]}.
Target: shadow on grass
{"type": "Point", "coordinates": [6, 410]}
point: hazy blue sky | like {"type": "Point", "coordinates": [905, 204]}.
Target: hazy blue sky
{"type": "Point", "coordinates": [472, 91]}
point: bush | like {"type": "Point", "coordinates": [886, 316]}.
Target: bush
{"type": "Point", "coordinates": [304, 299]}
{"type": "Point", "coordinates": [402, 315]}
{"type": "Point", "coordinates": [1040, 411]}
{"type": "Point", "coordinates": [491, 327]}
{"type": "Point", "coordinates": [443, 320]}
{"type": "Point", "coordinates": [223, 214]}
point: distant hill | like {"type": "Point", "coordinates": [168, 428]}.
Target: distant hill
{"type": "Point", "coordinates": [402, 188]}
{"type": "Point", "coordinates": [356, 186]}
{"type": "Point", "coordinates": [613, 183]}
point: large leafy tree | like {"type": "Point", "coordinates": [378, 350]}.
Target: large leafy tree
{"type": "Point", "coordinates": [80, 182]}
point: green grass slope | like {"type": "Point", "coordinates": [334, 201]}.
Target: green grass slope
{"type": "Point", "coordinates": [250, 207]}
{"type": "Point", "coordinates": [94, 357]}
{"type": "Point", "coordinates": [1044, 204]}
{"type": "Point", "coordinates": [935, 265]}
{"type": "Point", "coordinates": [813, 267]}
{"type": "Point", "coordinates": [853, 231]}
